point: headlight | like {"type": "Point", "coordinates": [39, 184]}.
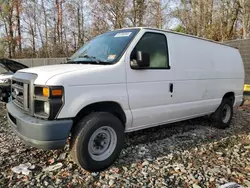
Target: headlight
{"type": "Point", "coordinates": [48, 101]}
{"type": "Point", "coordinates": [4, 81]}
{"type": "Point", "coordinates": [46, 107]}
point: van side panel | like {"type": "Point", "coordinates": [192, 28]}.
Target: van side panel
{"type": "Point", "coordinates": [148, 90]}
{"type": "Point", "coordinates": [204, 72]}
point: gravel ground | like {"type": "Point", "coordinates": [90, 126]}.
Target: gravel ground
{"type": "Point", "coordinates": [185, 154]}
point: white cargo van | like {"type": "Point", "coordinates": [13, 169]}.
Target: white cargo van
{"type": "Point", "coordinates": [122, 81]}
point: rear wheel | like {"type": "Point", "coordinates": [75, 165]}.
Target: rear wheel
{"type": "Point", "coordinates": [97, 141]}
{"type": "Point", "coordinates": [222, 117]}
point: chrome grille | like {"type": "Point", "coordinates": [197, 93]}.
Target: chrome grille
{"type": "Point", "coordinates": [20, 94]}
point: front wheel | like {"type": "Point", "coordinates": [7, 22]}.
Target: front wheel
{"type": "Point", "coordinates": [97, 141]}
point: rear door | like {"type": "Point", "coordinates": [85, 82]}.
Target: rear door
{"type": "Point", "coordinates": [150, 89]}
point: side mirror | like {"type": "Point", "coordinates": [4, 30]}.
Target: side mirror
{"type": "Point", "coordinates": [142, 60]}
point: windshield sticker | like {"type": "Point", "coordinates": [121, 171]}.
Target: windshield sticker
{"type": "Point", "coordinates": [111, 57]}
{"type": "Point", "coordinates": [124, 34]}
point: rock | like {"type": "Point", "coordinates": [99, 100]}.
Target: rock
{"type": "Point", "coordinates": [156, 167]}
{"type": "Point", "coordinates": [150, 159]}
{"type": "Point", "coordinates": [38, 177]}
{"type": "Point", "coordinates": [70, 166]}
{"type": "Point", "coordinates": [114, 170]}
{"type": "Point", "coordinates": [62, 156]}
{"type": "Point", "coordinates": [58, 181]}
{"type": "Point", "coordinates": [17, 169]}
{"type": "Point", "coordinates": [26, 172]}
{"type": "Point", "coordinates": [98, 184]}
{"type": "Point", "coordinates": [53, 167]}
{"type": "Point", "coordinates": [25, 169]}
{"type": "Point", "coordinates": [247, 147]}
{"type": "Point", "coordinates": [125, 169]}
{"type": "Point", "coordinates": [111, 182]}
{"type": "Point", "coordinates": [114, 176]}
{"type": "Point", "coordinates": [172, 177]}
{"type": "Point", "coordinates": [223, 180]}
{"type": "Point", "coordinates": [196, 186]}
{"type": "Point", "coordinates": [219, 153]}
{"type": "Point", "coordinates": [246, 183]}
{"type": "Point", "coordinates": [18, 150]}
{"type": "Point", "coordinates": [106, 176]}
{"type": "Point", "coordinates": [3, 150]}
{"type": "Point", "coordinates": [144, 173]}
{"type": "Point", "coordinates": [19, 176]}
{"type": "Point", "coordinates": [143, 150]}
{"type": "Point", "coordinates": [211, 179]}
{"type": "Point", "coordinates": [133, 165]}
{"type": "Point", "coordinates": [43, 176]}
{"type": "Point", "coordinates": [248, 168]}
{"type": "Point", "coordinates": [46, 183]}
{"type": "Point", "coordinates": [94, 174]}
{"type": "Point", "coordinates": [145, 163]}
{"type": "Point", "coordinates": [231, 185]}
{"type": "Point", "coordinates": [32, 183]}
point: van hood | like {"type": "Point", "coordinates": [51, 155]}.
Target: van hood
{"type": "Point", "coordinates": [44, 73]}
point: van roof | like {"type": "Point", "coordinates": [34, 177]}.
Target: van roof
{"type": "Point", "coordinates": [187, 35]}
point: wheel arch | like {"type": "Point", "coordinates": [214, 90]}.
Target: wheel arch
{"type": "Point", "coordinates": [230, 95]}
{"type": "Point", "coordinates": [104, 106]}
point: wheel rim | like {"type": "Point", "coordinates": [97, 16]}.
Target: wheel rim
{"type": "Point", "coordinates": [226, 113]}
{"type": "Point", "coordinates": [102, 143]}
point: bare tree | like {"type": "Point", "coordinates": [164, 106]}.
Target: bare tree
{"type": "Point", "coordinates": [156, 13]}
{"type": "Point", "coordinates": [206, 17]}
{"type": "Point", "coordinates": [113, 10]}
{"type": "Point", "coordinates": [30, 11]}
{"type": "Point", "coordinates": [19, 37]}
{"type": "Point", "coordinates": [245, 17]}
{"type": "Point", "coordinates": [59, 20]}
{"type": "Point", "coordinates": [137, 12]}
{"type": "Point", "coordinates": [45, 16]}
{"type": "Point", "coordinates": [7, 15]}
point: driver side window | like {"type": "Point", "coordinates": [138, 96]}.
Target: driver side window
{"type": "Point", "coordinates": [155, 44]}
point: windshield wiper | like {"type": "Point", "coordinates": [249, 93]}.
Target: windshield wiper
{"type": "Point", "coordinates": [93, 58]}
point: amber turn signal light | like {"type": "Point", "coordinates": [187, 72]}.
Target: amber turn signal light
{"type": "Point", "coordinates": [46, 92]}
{"type": "Point", "coordinates": [56, 92]}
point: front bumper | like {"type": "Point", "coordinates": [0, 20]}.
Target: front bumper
{"type": "Point", "coordinates": [38, 133]}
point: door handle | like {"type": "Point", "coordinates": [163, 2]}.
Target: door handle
{"type": "Point", "coordinates": [171, 87]}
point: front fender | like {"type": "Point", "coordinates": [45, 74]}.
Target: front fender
{"type": "Point", "coordinates": [78, 97]}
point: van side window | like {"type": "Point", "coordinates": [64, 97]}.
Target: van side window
{"type": "Point", "coordinates": [155, 45]}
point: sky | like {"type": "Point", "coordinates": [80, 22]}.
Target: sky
{"type": "Point", "coordinates": [171, 24]}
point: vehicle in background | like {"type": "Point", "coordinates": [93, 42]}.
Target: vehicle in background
{"type": "Point", "coordinates": [123, 81]}
{"type": "Point", "coordinates": [7, 69]}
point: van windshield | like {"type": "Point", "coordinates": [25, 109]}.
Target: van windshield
{"type": "Point", "coordinates": [106, 48]}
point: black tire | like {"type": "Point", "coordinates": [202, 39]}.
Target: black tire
{"type": "Point", "coordinates": [219, 118]}
{"type": "Point", "coordinates": [82, 136]}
